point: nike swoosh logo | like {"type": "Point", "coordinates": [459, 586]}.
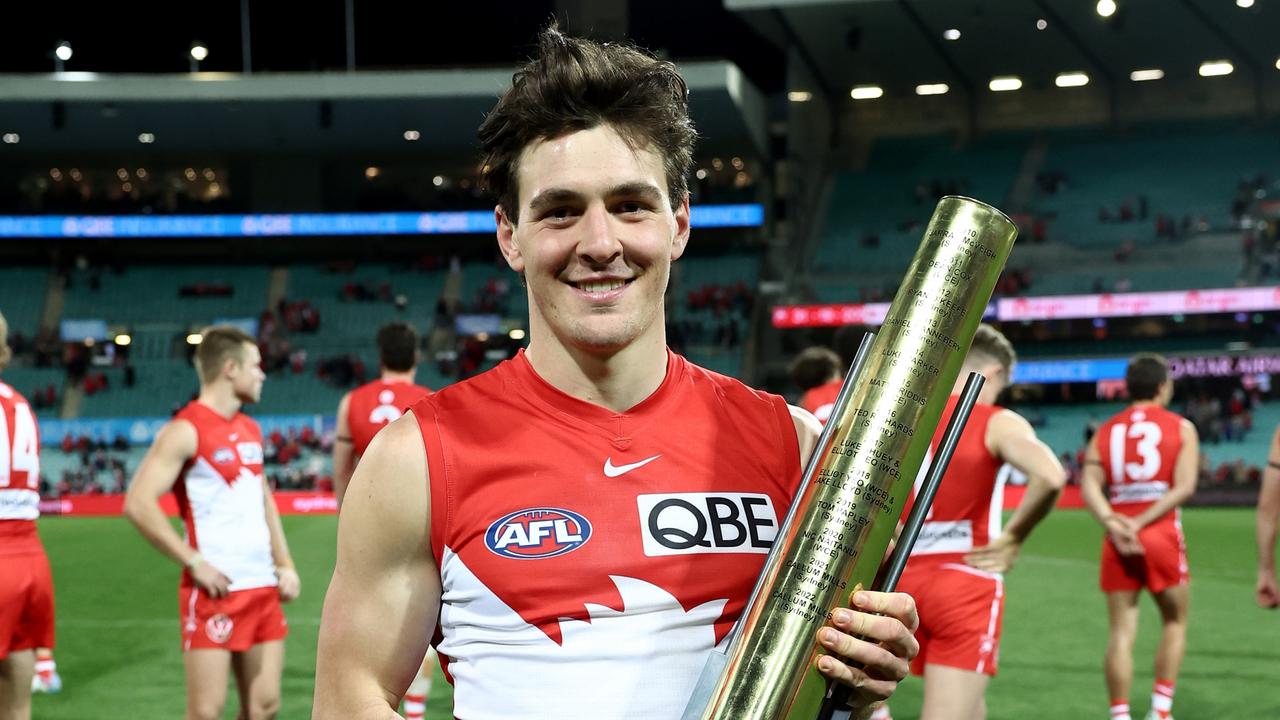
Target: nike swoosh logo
{"type": "Point", "coordinates": [611, 470]}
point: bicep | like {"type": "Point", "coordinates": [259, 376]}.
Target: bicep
{"type": "Point", "coordinates": [1016, 443]}
{"type": "Point", "coordinates": [1091, 474]}
{"type": "Point", "coordinates": [1188, 463]}
{"type": "Point", "coordinates": [381, 608]}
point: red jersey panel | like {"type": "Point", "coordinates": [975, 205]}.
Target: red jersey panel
{"type": "Point", "coordinates": [966, 512]}
{"type": "Point", "coordinates": [221, 498]}
{"type": "Point", "coordinates": [591, 559]}
{"type": "Point", "coordinates": [1138, 448]}
{"type": "Point", "coordinates": [822, 400]}
{"type": "Point", "coordinates": [19, 475]}
{"type": "Point", "coordinates": [373, 405]}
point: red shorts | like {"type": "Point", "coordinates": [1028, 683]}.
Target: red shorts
{"type": "Point", "coordinates": [235, 622]}
{"type": "Point", "coordinates": [1162, 566]}
{"type": "Point", "coordinates": [961, 609]}
{"type": "Point", "coordinates": [26, 602]}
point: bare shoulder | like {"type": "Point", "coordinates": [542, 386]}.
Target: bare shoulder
{"type": "Point", "coordinates": [808, 429]}
{"type": "Point", "coordinates": [1007, 421]}
{"type": "Point", "coordinates": [177, 438]}
{"type": "Point", "coordinates": [388, 499]}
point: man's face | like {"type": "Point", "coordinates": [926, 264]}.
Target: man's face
{"type": "Point", "coordinates": [247, 375]}
{"type": "Point", "coordinates": [595, 239]}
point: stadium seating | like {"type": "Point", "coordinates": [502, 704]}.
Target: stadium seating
{"type": "Point", "coordinates": [143, 294]}
{"type": "Point", "coordinates": [22, 292]}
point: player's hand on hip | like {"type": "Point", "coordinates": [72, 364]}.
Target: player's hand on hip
{"type": "Point", "coordinates": [871, 646]}
{"type": "Point", "coordinates": [1267, 592]}
{"type": "Point", "coordinates": [210, 579]}
{"type": "Point", "coordinates": [997, 557]}
{"type": "Point", "coordinates": [288, 583]}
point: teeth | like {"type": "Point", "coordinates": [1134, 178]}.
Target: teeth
{"type": "Point", "coordinates": [601, 285]}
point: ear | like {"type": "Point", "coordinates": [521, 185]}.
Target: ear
{"type": "Point", "coordinates": [507, 240]}
{"type": "Point", "coordinates": [681, 240]}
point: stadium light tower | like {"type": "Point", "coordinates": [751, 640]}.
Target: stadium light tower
{"type": "Point", "coordinates": [61, 54]}
{"type": "Point", "coordinates": [197, 54]}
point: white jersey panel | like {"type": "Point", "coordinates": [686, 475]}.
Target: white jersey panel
{"type": "Point", "coordinates": [638, 664]}
{"type": "Point", "coordinates": [231, 525]}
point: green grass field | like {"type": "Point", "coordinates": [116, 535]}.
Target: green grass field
{"type": "Point", "coordinates": [118, 649]}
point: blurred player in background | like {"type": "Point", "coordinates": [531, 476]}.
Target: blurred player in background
{"type": "Point", "coordinates": [1140, 467]}
{"type": "Point", "coordinates": [237, 567]}
{"type": "Point", "coordinates": [26, 583]}
{"type": "Point", "coordinates": [816, 371]}
{"type": "Point", "coordinates": [1268, 594]}
{"type": "Point", "coordinates": [361, 414]}
{"type": "Point", "coordinates": [367, 409]}
{"type": "Point", "coordinates": [956, 570]}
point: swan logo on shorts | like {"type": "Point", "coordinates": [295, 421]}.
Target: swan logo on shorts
{"type": "Point", "coordinates": [218, 628]}
{"type": "Point", "coordinates": [536, 533]}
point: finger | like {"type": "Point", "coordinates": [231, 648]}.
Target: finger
{"type": "Point", "coordinates": [881, 643]}
{"type": "Point", "coordinates": [863, 684]}
{"type": "Point", "coordinates": [897, 605]}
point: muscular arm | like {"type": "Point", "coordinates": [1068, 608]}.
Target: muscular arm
{"type": "Point", "coordinates": [1268, 594]}
{"type": "Point", "coordinates": [1011, 438]}
{"type": "Point", "coordinates": [344, 455]}
{"type": "Point", "coordinates": [174, 445]}
{"type": "Point", "coordinates": [1185, 474]}
{"type": "Point", "coordinates": [382, 603]}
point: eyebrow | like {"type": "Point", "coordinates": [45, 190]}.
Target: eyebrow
{"type": "Point", "coordinates": [554, 196]}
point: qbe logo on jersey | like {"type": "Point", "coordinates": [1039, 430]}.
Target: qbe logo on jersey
{"type": "Point", "coordinates": [537, 533]}
{"type": "Point", "coordinates": [685, 523]}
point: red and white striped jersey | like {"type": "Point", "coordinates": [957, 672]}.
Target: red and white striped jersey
{"type": "Point", "coordinates": [221, 497]}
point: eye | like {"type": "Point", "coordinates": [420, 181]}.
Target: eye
{"type": "Point", "coordinates": [558, 214]}
{"type": "Point", "coordinates": [628, 207]}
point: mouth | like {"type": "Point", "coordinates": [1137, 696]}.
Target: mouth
{"type": "Point", "coordinates": [606, 289]}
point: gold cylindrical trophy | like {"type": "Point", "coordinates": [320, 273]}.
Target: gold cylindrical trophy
{"type": "Point", "coordinates": [848, 504]}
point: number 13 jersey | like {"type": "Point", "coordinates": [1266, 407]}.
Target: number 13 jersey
{"type": "Point", "coordinates": [1138, 449]}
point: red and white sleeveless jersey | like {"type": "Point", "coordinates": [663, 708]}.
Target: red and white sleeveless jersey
{"type": "Point", "coordinates": [19, 474]}
{"type": "Point", "coordinates": [591, 559]}
{"type": "Point", "coordinates": [373, 405]}
{"type": "Point", "coordinates": [966, 512]}
{"type": "Point", "coordinates": [821, 400]}
{"type": "Point", "coordinates": [220, 497]}
{"type": "Point", "coordinates": [1138, 448]}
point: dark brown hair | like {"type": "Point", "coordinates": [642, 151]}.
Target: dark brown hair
{"type": "Point", "coordinates": [5, 352]}
{"type": "Point", "coordinates": [575, 84]}
{"type": "Point", "coordinates": [814, 366]}
{"type": "Point", "coordinates": [1144, 376]}
{"type": "Point", "coordinates": [217, 344]}
{"type": "Point", "coordinates": [398, 347]}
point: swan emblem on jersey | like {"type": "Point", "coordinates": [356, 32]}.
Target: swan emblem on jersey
{"type": "Point", "coordinates": [224, 455]}
{"type": "Point", "coordinates": [535, 533]}
{"type": "Point", "coordinates": [386, 410]}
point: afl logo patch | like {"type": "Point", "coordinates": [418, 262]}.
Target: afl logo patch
{"type": "Point", "coordinates": [218, 628]}
{"type": "Point", "coordinates": [536, 533]}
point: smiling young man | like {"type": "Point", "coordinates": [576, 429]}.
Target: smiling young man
{"type": "Point", "coordinates": [580, 526]}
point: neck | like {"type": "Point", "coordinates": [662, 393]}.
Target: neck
{"type": "Point", "coordinates": [618, 381]}
{"type": "Point", "coordinates": [1152, 402]}
{"type": "Point", "coordinates": [221, 399]}
{"type": "Point", "coordinates": [397, 376]}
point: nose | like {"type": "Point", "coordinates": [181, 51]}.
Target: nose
{"type": "Point", "coordinates": [599, 244]}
